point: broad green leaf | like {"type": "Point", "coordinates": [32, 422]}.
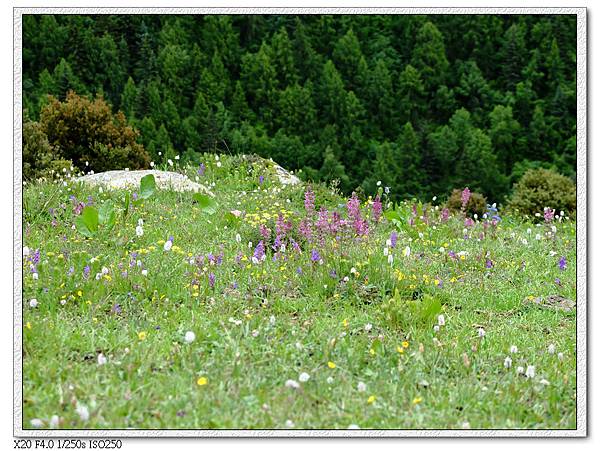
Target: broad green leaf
{"type": "Point", "coordinates": [232, 220]}
{"type": "Point", "coordinates": [87, 222]}
{"type": "Point", "coordinates": [147, 186]}
{"type": "Point", "coordinates": [207, 204]}
{"type": "Point", "coordinates": [107, 216]}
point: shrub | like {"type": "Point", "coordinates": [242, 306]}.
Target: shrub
{"type": "Point", "coordinates": [477, 203]}
{"type": "Point", "coordinates": [83, 131]}
{"type": "Point", "coordinates": [40, 158]}
{"type": "Point", "coordinates": [540, 188]}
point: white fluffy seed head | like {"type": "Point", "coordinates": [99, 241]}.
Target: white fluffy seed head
{"type": "Point", "coordinates": [189, 337]}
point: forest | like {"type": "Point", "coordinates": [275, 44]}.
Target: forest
{"type": "Point", "coordinates": [422, 104]}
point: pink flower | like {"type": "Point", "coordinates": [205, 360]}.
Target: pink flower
{"type": "Point", "coordinates": [377, 209]}
{"type": "Point", "coordinates": [465, 196]}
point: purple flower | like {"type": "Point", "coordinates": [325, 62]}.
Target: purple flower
{"type": "Point", "coordinates": [488, 263]}
{"type": "Point", "coordinates": [314, 256]}
{"type": "Point", "coordinates": [86, 272]}
{"type": "Point", "coordinates": [465, 196]}
{"type": "Point", "coordinates": [445, 214]}
{"type": "Point", "coordinates": [309, 201]}
{"type": "Point", "coordinates": [259, 252]}
{"type": "Point", "coordinates": [562, 263]}
{"type": "Point", "coordinates": [557, 281]}
{"type": "Point", "coordinates": [265, 232]}
{"type": "Point", "coordinates": [211, 279]}
{"type": "Point", "coordinates": [298, 270]}
{"type": "Point", "coordinates": [201, 169]}
{"type": "Point", "coordinates": [377, 208]}
{"type": "Point", "coordinates": [394, 238]}
{"type": "Point", "coordinates": [116, 309]}
{"type": "Point", "coordinates": [548, 214]}
{"type": "Point", "coordinates": [261, 179]}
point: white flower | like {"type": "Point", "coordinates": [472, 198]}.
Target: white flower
{"type": "Point", "coordinates": [391, 259]}
{"type": "Point", "coordinates": [520, 370]}
{"type": "Point", "coordinates": [189, 337]}
{"type": "Point", "coordinates": [26, 251]}
{"type": "Point", "coordinates": [298, 346]}
{"type": "Point", "coordinates": [524, 241]}
{"type": "Point", "coordinates": [560, 356]}
{"type": "Point", "coordinates": [104, 270]}
{"type": "Point", "coordinates": [551, 349]}
{"type": "Point", "coordinates": [63, 301]}
{"type": "Point", "coordinates": [33, 303]}
{"type": "Point", "coordinates": [406, 251]}
{"type": "Point", "coordinates": [35, 276]}
{"type": "Point", "coordinates": [304, 377]}
{"type": "Point", "coordinates": [139, 230]}
{"type": "Point", "coordinates": [378, 182]}
{"type": "Point", "coordinates": [83, 412]}
{"type": "Point", "coordinates": [330, 380]}
{"type": "Point", "coordinates": [507, 362]}
{"type": "Point", "coordinates": [368, 327]}
{"type": "Point", "coordinates": [218, 164]}
{"type": "Point", "coordinates": [386, 251]}
{"type": "Point", "coordinates": [544, 382]}
{"type": "Point", "coordinates": [436, 328]}
{"type": "Point", "coordinates": [238, 238]}
{"type": "Point", "coordinates": [528, 231]}
{"type": "Point", "coordinates": [354, 426]}
{"type": "Point", "coordinates": [138, 263]}
{"type": "Point", "coordinates": [530, 371]}
{"type": "Point", "coordinates": [272, 320]}
{"type": "Point", "coordinates": [54, 421]}
{"type": "Point", "coordinates": [152, 164]}
{"type": "Point", "coordinates": [255, 333]}
{"type": "Point", "coordinates": [216, 157]}
{"type": "Point", "coordinates": [552, 253]}
{"type": "Point", "coordinates": [177, 157]}
{"type": "Point", "coordinates": [288, 423]}
{"type": "Point", "coordinates": [466, 425]}
{"type": "Point", "coordinates": [170, 162]}
{"type": "Point", "coordinates": [441, 320]}
{"type": "Point", "coordinates": [361, 387]}
{"type": "Point", "coordinates": [140, 222]}
{"type": "Point", "coordinates": [481, 332]}
{"type": "Point", "coordinates": [353, 270]}
{"type": "Point", "coordinates": [388, 242]}
{"type": "Point", "coordinates": [37, 423]}
{"type": "Point", "coordinates": [513, 349]}
{"type": "Point", "coordinates": [102, 359]}
{"type": "Point", "coordinates": [291, 383]}
{"type": "Point", "coordinates": [168, 245]}
{"type": "Point", "coordinates": [553, 228]}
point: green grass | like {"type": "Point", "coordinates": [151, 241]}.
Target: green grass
{"type": "Point", "coordinates": [278, 322]}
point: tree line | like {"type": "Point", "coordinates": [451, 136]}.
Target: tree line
{"type": "Point", "coordinates": [423, 104]}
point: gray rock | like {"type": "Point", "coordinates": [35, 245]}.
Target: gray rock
{"type": "Point", "coordinates": [131, 180]}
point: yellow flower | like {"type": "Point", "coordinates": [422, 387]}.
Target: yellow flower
{"type": "Point", "coordinates": [331, 365]}
{"type": "Point", "coordinates": [79, 293]}
{"type": "Point", "coordinates": [141, 335]}
{"type": "Point", "coordinates": [345, 323]}
{"type": "Point", "coordinates": [28, 325]}
{"type": "Point", "coordinates": [372, 351]}
{"type": "Point", "coordinates": [417, 400]}
{"type": "Point", "coordinates": [202, 381]}
{"type": "Point", "coordinates": [405, 344]}
{"type": "Point", "coordinates": [371, 399]}
{"type": "Point", "coordinates": [400, 349]}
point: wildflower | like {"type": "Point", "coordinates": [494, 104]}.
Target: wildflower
{"type": "Point", "coordinates": [548, 214]}
{"type": "Point", "coordinates": [544, 382]}
{"type": "Point", "coordinates": [33, 303]}
{"type": "Point", "coordinates": [507, 362]}
{"type": "Point", "coordinates": [289, 424]}
{"type": "Point", "coordinates": [259, 252]}
{"type": "Point", "coordinates": [139, 231]}
{"type": "Point", "coordinates": [441, 320]}
{"type": "Point", "coordinates": [513, 349]}
{"type": "Point", "coordinates": [551, 349]}
{"type": "Point", "coordinates": [189, 337]}
{"type": "Point", "coordinates": [530, 372]}
{"type": "Point", "coordinates": [465, 196]}
{"type": "Point", "coordinates": [393, 239]}
{"type": "Point", "coordinates": [417, 400]}
{"type": "Point", "coordinates": [330, 380]}
{"type": "Point", "coordinates": [255, 333]}
{"type": "Point", "coordinates": [144, 272]}
{"type": "Point", "coordinates": [361, 387]}
{"type": "Point", "coordinates": [202, 381]}
{"type": "Point", "coordinates": [211, 279]}
{"type": "Point", "coordinates": [354, 426]}
{"type": "Point", "coordinates": [368, 327]}
{"type": "Point", "coordinates": [405, 344]}
{"type": "Point", "coordinates": [489, 263]}
{"type": "Point", "coordinates": [309, 201]}
{"type": "Point", "coordinates": [331, 365]}
{"type": "Point", "coordinates": [436, 328]}
{"type": "Point", "coordinates": [560, 356]}
{"type": "Point", "coordinates": [201, 169]}
{"type": "Point", "coordinates": [141, 336]}
{"type": "Point", "coordinates": [520, 370]}
{"type": "Point", "coordinates": [272, 320]}
{"type": "Point", "coordinates": [562, 263]}
{"type": "Point", "coordinates": [377, 209]}
{"type": "Point", "coordinates": [238, 238]}
{"type": "Point", "coordinates": [371, 399]}
{"type": "Point", "coordinates": [406, 251]}
{"type": "Point", "coordinates": [481, 332]}
{"type": "Point", "coordinates": [168, 244]}
{"type": "Point", "coordinates": [102, 359]}
{"type": "Point", "coordinates": [83, 412]}
{"type": "Point", "coordinates": [54, 421]}
{"type": "Point", "coordinates": [304, 377]}
{"type": "Point", "coordinates": [291, 383]}
{"type": "Point", "coordinates": [37, 423]}
{"type": "Point", "coordinates": [315, 257]}
{"type": "Point", "coordinates": [386, 251]}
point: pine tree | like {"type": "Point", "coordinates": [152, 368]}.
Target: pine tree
{"type": "Point", "coordinates": [429, 56]}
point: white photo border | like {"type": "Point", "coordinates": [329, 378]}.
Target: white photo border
{"type": "Point", "coordinates": [582, 316]}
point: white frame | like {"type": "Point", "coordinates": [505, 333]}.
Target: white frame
{"type": "Point", "coordinates": [580, 431]}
